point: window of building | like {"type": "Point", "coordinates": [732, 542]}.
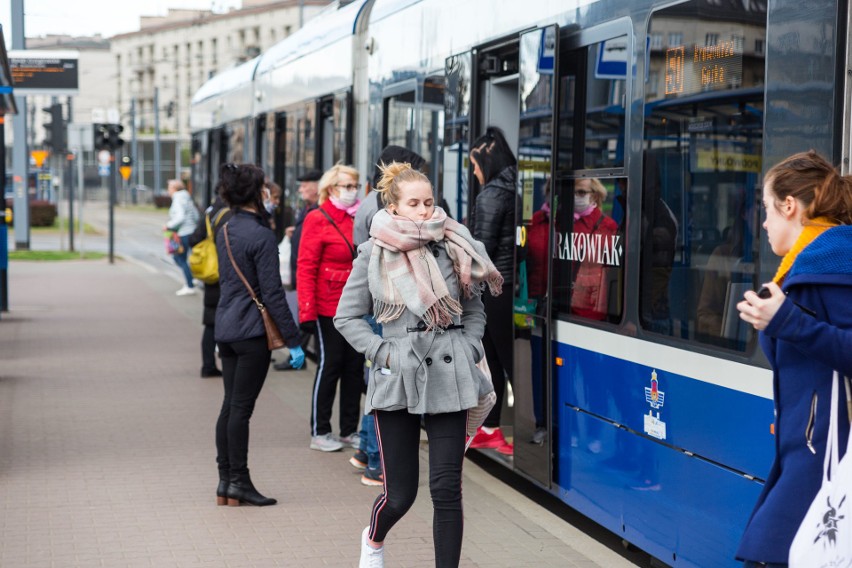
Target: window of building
{"type": "Point", "coordinates": [701, 166]}
{"type": "Point", "coordinates": [759, 46]}
{"type": "Point", "coordinates": [657, 41]}
{"type": "Point", "coordinates": [675, 39]}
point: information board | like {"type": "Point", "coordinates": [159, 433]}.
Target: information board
{"type": "Point", "coordinates": [37, 72]}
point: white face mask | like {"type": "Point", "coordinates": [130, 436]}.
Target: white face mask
{"type": "Point", "coordinates": [269, 206]}
{"type": "Point", "coordinates": [347, 197]}
{"type": "Point", "coordinates": [582, 202]}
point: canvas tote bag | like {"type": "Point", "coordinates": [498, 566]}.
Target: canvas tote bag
{"type": "Point", "coordinates": [824, 539]}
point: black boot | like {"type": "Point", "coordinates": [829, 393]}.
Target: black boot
{"type": "Point", "coordinates": [241, 490]}
{"type": "Point", "coordinates": [222, 489]}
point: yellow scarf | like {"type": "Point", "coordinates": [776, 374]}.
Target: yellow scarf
{"type": "Point", "coordinates": [813, 229]}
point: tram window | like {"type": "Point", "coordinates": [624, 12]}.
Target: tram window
{"type": "Point", "coordinates": [702, 158]}
{"type": "Point", "coordinates": [456, 114]}
{"type": "Point", "coordinates": [593, 106]}
{"type": "Point", "coordinates": [588, 252]}
{"type": "Point", "coordinates": [236, 142]}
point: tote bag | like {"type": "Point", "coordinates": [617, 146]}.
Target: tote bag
{"type": "Point", "coordinates": [824, 539]}
{"type": "Point", "coordinates": [476, 416]}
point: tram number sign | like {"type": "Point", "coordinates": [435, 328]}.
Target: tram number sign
{"type": "Point", "coordinates": [691, 69]}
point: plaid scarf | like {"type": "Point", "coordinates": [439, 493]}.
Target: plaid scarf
{"type": "Point", "coordinates": [403, 273]}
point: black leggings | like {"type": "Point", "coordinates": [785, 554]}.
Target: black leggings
{"type": "Point", "coordinates": [399, 443]}
{"type": "Point", "coordinates": [337, 361]}
{"type": "Point", "coordinates": [244, 367]}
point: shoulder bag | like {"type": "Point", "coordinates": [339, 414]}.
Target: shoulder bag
{"type": "Point", "coordinates": [274, 340]}
{"type": "Point", "coordinates": [824, 539]}
{"type": "Point", "coordinates": [476, 416]}
{"type": "Point", "coordinates": [203, 260]}
{"type": "Point", "coordinates": [349, 245]}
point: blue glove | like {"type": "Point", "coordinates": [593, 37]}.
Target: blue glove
{"type": "Point", "coordinates": [297, 357]}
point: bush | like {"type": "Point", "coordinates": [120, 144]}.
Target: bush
{"type": "Point", "coordinates": [162, 201]}
{"type": "Point", "coordinates": [42, 214]}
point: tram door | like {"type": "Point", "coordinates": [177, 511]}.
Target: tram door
{"type": "Point", "coordinates": [531, 309]}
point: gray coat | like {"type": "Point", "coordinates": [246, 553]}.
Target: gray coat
{"type": "Point", "coordinates": [427, 372]}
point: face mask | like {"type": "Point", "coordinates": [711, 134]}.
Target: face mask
{"type": "Point", "coordinates": [269, 206]}
{"type": "Point", "coordinates": [582, 202]}
{"type": "Point", "coordinates": [347, 197]}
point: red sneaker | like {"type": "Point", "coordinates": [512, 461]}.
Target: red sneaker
{"type": "Point", "coordinates": [506, 449]}
{"type": "Point", "coordinates": [483, 440]}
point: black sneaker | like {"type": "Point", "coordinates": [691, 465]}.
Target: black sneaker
{"type": "Point", "coordinates": [211, 374]}
{"type": "Point", "coordinates": [359, 460]}
{"type": "Point", "coordinates": [373, 477]}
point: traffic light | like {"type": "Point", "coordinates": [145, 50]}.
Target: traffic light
{"type": "Point", "coordinates": [101, 136]}
{"type": "Point", "coordinates": [108, 136]}
{"type": "Point", "coordinates": [54, 131]}
{"type": "Point", "coordinates": [115, 140]}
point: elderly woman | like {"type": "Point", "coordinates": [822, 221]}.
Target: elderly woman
{"type": "Point", "coordinates": [325, 261]}
{"type": "Point", "coordinates": [589, 298]}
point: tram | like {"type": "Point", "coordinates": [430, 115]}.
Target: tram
{"type": "Point", "coordinates": [652, 413]}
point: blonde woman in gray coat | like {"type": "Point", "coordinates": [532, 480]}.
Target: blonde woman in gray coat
{"type": "Point", "coordinates": [420, 275]}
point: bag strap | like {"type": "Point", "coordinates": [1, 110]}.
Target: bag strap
{"type": "Point", "coordinates": [333, 224]}
{"type": "Point", "coordinates": [239, 272]}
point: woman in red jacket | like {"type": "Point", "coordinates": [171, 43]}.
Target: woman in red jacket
{"type": "Point", "coordinates": [590, 295]}
{"type": "Point", "coordinates": [325, 261]}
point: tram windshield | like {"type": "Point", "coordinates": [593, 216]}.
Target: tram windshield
{"type": "Point", "coordinates": [703, 145]}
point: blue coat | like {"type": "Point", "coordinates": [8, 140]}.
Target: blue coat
{"type": "Point", "coordinates": [804, 350]}
{"type": "Point", "coordinates": [256, 253]}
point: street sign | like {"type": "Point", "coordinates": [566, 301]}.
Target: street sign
{"type": "Point", "coordinates": [37, 72]}
{"type": "Point", "coordinates": [103, 170]}
{"type": "Point", "coordinates": [39, 157]}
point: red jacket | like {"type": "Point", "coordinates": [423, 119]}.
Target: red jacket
{"type": "Point", "coordinates": [591, 292]}
{"type": "Point", "coordinates": [324, 262]}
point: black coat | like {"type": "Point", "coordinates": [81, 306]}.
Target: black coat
{"type": "Point", "coordinates": [211, 291]}
{"type": "Point", "coordinates": [256, 253]}
{"type": "Point", "coordinates": [494, 221]}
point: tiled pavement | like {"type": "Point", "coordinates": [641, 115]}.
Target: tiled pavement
{"type": "Point", "coordinates": [107, 453]}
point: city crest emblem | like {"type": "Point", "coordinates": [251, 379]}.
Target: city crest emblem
{"type": "Point", "coordinates": [653, 395]}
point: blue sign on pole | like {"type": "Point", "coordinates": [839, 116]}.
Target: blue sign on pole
{"type": "Point", "coordinates": [103, 170]}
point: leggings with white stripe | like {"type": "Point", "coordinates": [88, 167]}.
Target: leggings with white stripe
{"type": "Point", "coordinates": [337, 361]}
{"type": "Point", "coordinates": [399, 443]}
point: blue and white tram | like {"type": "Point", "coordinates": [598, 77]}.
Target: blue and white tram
{"type": "Point", "coordinates": [638, 396]}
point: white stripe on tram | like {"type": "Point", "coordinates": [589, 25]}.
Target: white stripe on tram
{"type": "Point", "coordinates": [729, 374]}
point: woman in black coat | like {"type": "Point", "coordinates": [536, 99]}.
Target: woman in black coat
{"type": "Point", "coordinates": [495, 167]}
{"type": "Point", "coordinates": [246, 242]}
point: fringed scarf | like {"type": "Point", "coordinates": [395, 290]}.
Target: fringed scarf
{"type": "Point", "coordinates": [813, 229]}
{"type": "Point", "coordinates": [403, 272]}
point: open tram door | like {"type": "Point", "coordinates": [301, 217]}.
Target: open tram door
{"type": "Point", "coordinates": [532, 412]}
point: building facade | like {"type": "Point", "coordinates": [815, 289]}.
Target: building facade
{"type": "Point", "coordinates": [174, 55]}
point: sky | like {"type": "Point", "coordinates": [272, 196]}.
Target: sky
{"type": "Point", "coordinates": [90, 17]}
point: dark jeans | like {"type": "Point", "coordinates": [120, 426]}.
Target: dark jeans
{"type": "Point", "coordinates": [337, 361]}
{"type": "Point", "coordinates": [399, 441]}
{"type": "Point", "coordinates": [244, 367]}
{"type": "Point", "coordinates": [183, 263]}
{"type": "Point", "coordinates": [208, 350]}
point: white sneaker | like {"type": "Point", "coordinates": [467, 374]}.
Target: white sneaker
{"type": "Point", "coordinates": [370, 557]}
{"type": "Point", "coordinates": [186, 291]}
{"type": "Point", "coordinates": [326, 443]}
{"type": "Point", "coordinates": [352, 440]}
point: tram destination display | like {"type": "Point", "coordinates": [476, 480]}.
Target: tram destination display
{"type": "Point", "coordinates": [695, 68]}
{"type": "Point", "coordinates": [44, 72]}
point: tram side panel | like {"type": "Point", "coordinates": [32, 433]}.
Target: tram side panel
{"type": "Point", "coordinates": [628, 454]}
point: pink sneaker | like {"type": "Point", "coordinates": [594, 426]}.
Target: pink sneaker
{"type": "Point", "coordinates": [484, 440]}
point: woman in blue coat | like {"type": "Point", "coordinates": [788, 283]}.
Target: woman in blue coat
{"type": "Point", "coordinates": [805, 321]}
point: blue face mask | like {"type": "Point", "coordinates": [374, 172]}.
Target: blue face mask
{"type": "Point", "coordinates": [269, 206]}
